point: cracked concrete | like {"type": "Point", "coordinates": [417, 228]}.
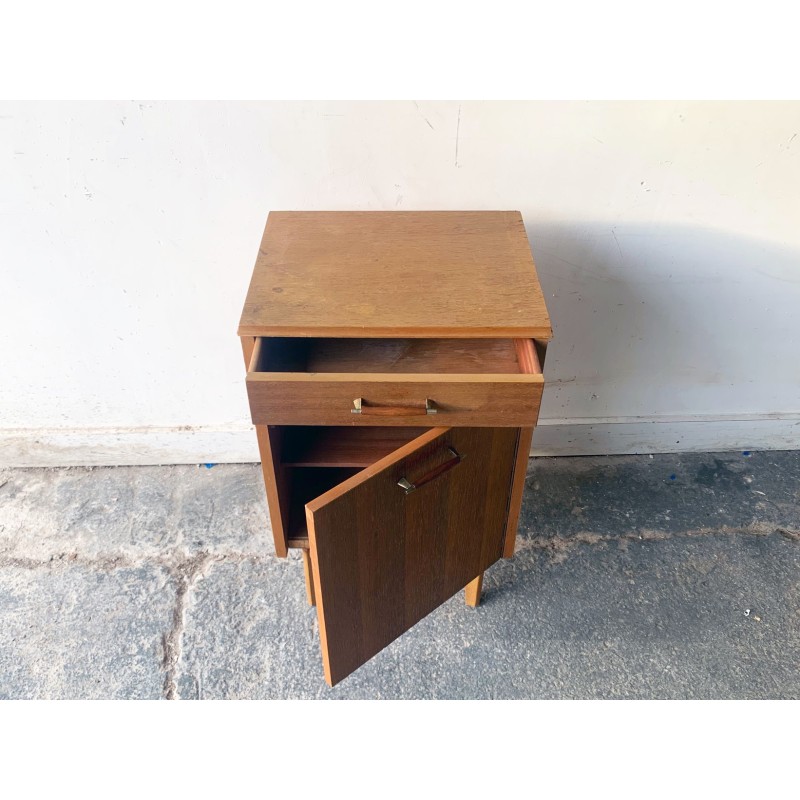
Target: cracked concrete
{"type": "Point", "coordinates": [188, 573]}
{"type": "Point", "coordinates": [672, 576]}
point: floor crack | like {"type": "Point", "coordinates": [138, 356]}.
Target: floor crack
{"type": "Point", "coordinates": [171, 561]}
{"type": "Point", "coordinates": [560, 547]}
{"type": "Point", "coordinates": [187, 574]}
{"type": "Point", "coordinates": [185, 569]}
{"type": "Point", "coordinates": [792, 536]}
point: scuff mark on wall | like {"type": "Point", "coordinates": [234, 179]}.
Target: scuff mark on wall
{"type": "Point", "coordinates": [458, 132]}
{"type": "Point", "coordinates": [423, 116]}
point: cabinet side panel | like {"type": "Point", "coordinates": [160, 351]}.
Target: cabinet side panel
{"type": "Point", "coordinates": [248, 343]}
{"type": "Point", "coordinates": [541, 350]}
{"type": "Point", "coordinates": [533, 362]}
{"type": "Point", "coordinates": [276, 477]}
{"type": "Point", "coordinates": [276, 482]}
{"type": "Point", "coordinates": [517, 489]}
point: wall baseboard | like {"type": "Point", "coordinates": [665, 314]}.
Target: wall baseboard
{"type": "Point", "coordinates": [665, 435]}
{"type": "Point", "coordinates": [200, 445]}
{"type": "Point", "coordinates": [126, 446]}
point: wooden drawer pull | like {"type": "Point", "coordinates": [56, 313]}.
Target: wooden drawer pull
{"type": "Point", "coordinates": [360, 407]}
{"type": "Point", "coordinates": [409, 487]}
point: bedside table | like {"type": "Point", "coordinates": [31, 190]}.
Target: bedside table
{"type": "Point", "coordinates": [394, 377]}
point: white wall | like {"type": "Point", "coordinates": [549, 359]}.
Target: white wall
{"type": "Point", "coordinates": [667, 238]}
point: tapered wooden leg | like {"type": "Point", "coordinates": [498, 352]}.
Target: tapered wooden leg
{"type": "Point", "coordinates": [312, 601]}
{"type": "Point", "coordinates": [473, 591]}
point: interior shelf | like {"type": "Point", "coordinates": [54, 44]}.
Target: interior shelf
{"type": "Point", "coordinates": [315, 458]}
{"type": "Point", "coordinates": [332, 446]}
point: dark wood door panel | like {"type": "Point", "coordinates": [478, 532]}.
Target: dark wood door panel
{"type": "Point", "coordinates": [384, 556]}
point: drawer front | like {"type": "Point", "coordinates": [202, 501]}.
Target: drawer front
{"type": "Point", "coordinates": [327, 399]}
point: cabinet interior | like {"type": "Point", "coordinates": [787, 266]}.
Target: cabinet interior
{"type": "Point", "coordinates": [448, 356]}
{"type": "Point", "coordinates": [306, 483]}
{"type": "Point", "coordinates": [310, 460]}
{"type": "Point", "coordinates": [341, 446]}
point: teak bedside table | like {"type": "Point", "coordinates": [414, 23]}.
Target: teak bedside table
{"type": "Point", "coordinates": [394, 376]}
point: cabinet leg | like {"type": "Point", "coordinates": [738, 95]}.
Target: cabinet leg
{"type": "Point", "coordinates": [473, 591]}
{"type": "Point", "coordinates": [312, 601]}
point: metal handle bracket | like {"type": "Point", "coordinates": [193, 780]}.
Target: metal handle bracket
{"type": "Point", "coordinates": [407, 486]}
{"type": "Point", "coordinates": [360, 407]}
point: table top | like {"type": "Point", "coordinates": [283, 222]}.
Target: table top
{"type": "Point", "coordinates": [395, 274]}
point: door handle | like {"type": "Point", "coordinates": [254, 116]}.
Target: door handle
{"type": "Point", "coordinates": [360, 407]}
{"type": "Point", "coordinates": [409, 487]}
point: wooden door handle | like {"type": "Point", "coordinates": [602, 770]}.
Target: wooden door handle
{"type": "Point", "coordinates": [360, 407]}
{"type": "Point", "coordinates": [409, 487]}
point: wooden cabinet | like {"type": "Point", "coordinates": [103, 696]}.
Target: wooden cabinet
{"type": "Point", "coordinates": [394, 376]}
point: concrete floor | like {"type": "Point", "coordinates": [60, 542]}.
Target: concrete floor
{"type": "Point", "coordinates": [667, 576]}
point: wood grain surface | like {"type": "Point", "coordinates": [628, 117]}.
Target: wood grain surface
{"type": "Point", "coordinates": [341, 446]}
{"type": "Point", "coordinates": [383, 559]}
{"type": "Point", "coordinates": [529, 355]}
{"type": "Point", "coordinates": [307, 569]}
{"type": "Point", "coordinates": [473, 590]}
{"type": "Point", "coordinates": [465, 356]}
{"type": "Point", "coordinates": [290, 398]}
{"type": "Point", "coordinates": [395, 274]}
{"type": "Point", "coordinates": [276, 483]}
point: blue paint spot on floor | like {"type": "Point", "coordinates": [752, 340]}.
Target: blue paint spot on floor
{"type": "Point", "coordinates": [745, 452]}
{"type": "Point", "coordinates": [208, 466]}
{"type": "Point", "coordinates": [672, 477]}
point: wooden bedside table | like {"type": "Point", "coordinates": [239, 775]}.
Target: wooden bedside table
{"type": "Point", "coordinates": [394, 376]}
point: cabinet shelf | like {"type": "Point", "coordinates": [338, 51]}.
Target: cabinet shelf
{"type": "Point", "coordinates": [340, 446]}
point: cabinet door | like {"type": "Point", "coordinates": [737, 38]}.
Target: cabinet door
{"type": "Point", "coordinates": [392, 543]}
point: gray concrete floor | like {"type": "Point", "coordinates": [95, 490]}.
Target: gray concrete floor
{"type": "Point", "coordinates": [667, 576]}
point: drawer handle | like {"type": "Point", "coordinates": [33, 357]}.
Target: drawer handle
{"type": "Point", "coordinates": [360, 407]}
{"type": "Point", "coordinates": [409, 487]}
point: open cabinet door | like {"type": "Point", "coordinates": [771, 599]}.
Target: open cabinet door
{"type": "Point", "coordinates": [392, 543]}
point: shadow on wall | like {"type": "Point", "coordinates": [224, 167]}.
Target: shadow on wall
{"type": "Point", "coordinates": [657, 321]}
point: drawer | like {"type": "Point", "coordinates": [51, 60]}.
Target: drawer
{"type": "Point", "coordinates": [453, 382]}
